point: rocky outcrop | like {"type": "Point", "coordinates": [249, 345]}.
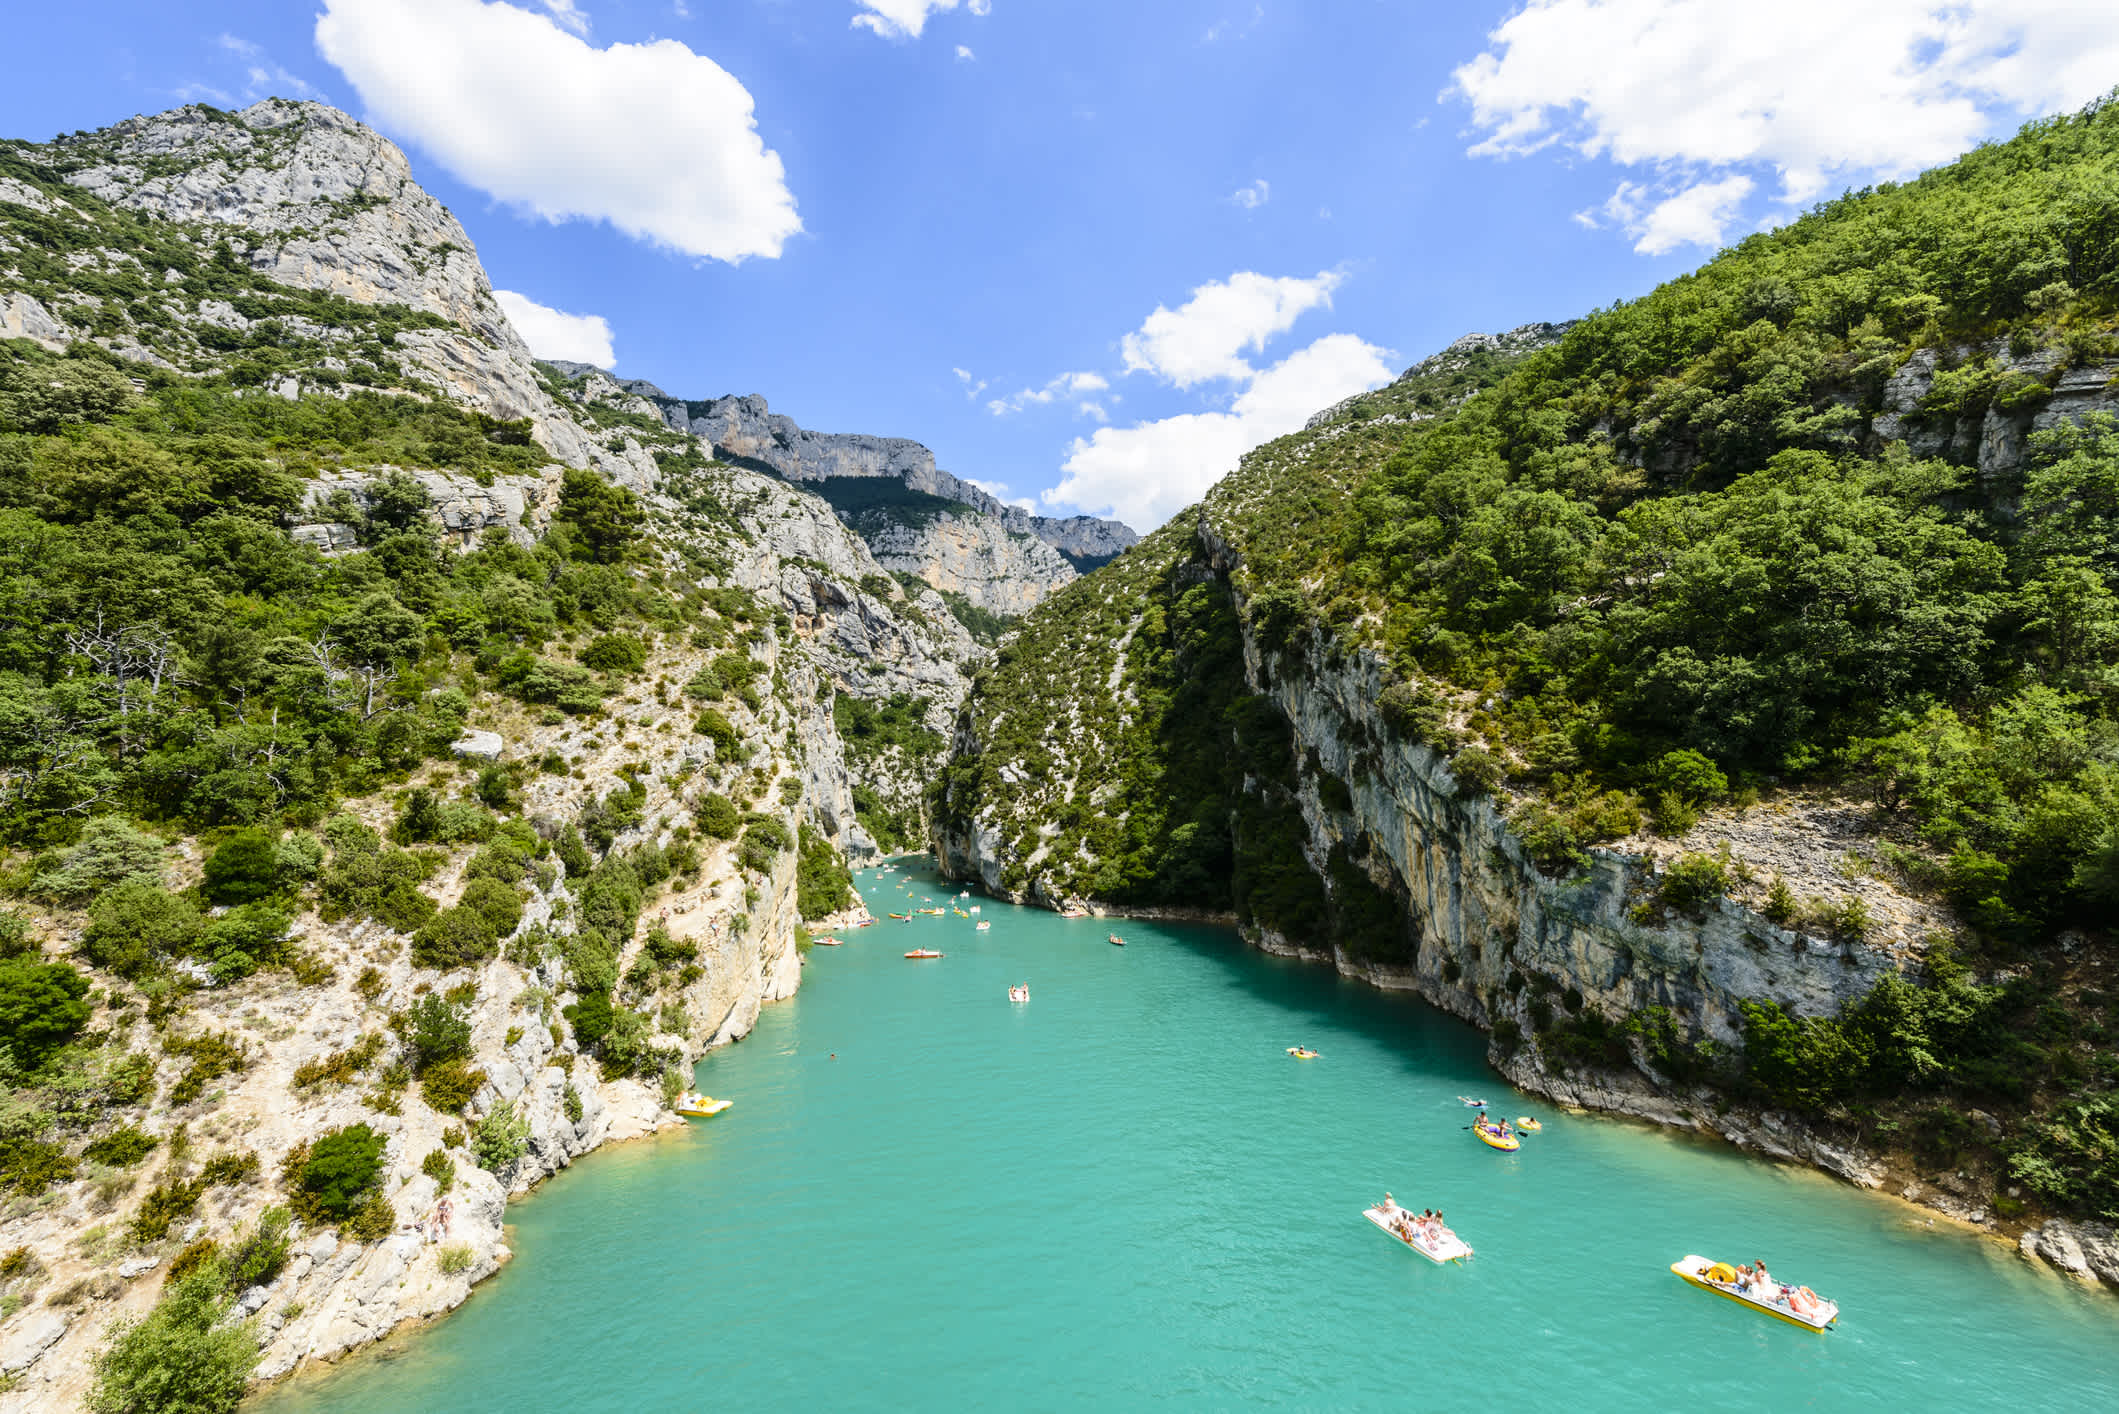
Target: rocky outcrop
{"type": "Point", "coordinates": [459, 506]}
{"type": "Point", "coordinates": [315, 200]}
{"type": "Point", "coordinates": [22, 317]}
{"type": "Point", "coordinates": [1005, 574]}
{"type": "Point", "coordinates": [744, 429]}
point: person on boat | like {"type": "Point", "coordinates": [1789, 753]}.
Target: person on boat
{"type": "Point", "coordinates": [1390, 1204]}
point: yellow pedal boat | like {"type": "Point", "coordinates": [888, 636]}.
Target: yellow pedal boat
{"type": "Point", "coordinates": [697, 1106]}
{"type": "Point", "coordinates": [1797, 1305]}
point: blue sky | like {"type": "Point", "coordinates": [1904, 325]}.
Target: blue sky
{"type": "Point", "coordinates": [1089, 251]}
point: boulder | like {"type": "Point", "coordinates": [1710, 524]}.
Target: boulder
{"type": "Point", "coordinates": [479, 745]}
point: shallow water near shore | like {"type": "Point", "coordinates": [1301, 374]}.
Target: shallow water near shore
{"type": "Point", "coordinates": [1125, 1193]}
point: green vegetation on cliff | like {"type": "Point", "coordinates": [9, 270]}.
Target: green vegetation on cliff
{"type": "Point", "coordinates": [1836, 510]}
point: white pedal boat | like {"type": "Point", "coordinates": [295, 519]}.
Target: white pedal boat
{"type": "Point", "coordinates": [1435, 1249]}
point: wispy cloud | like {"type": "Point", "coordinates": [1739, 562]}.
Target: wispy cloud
{"type": "Point", "coordinates": [1068, 387]}
{"type": "Point", "coordinates": [1252, 197]}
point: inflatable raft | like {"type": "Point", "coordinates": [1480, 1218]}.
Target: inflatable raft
{"type": "Point", "coordinates": [1797, 1305]}
{"type": "Point", "coordinates": [1495, 1139]}
{"type": "Point", "coordinates": [1302, 1053]}
{"type": "Point", "coordinates": [1437, 1248]}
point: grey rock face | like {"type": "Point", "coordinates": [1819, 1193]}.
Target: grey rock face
{"type": "Point", "coordinates": [746, 429]}
{"type": "Point", "coordinates": [36, 1334]}
{"type": "Point", "coordinates": [457, 504]}
{"type": "Point", "coordinates": [480, 746]}
{"type": "Point", "coordinates": [21, 317]}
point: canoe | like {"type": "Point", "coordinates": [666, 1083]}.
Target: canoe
{"type": "Point", "coordinates": [923, 952]}
{"type": "Point", "coordinates": [1506, 1143]}
{"type": "Point", "coordinates": [1116, 941]}
{"type": "Point", "coordinates": [1436, 1249]}
{"type": "Point", "coordinates": [701, 1106]}
{"type": "Point", "coordinates": [1694, 1269]}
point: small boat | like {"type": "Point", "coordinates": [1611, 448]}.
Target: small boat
{"type": "Point", "coordinates": [960, 913]}
{"type": "Point", "coordinates": [1302, 1053]}
{"type": "Point", "coordinates": [1496, 1137]}
{"type": "Point", "coordinates": [1074, 913]}
{"type": "Point", "coordinates": [1437, 1247]}
{"type": "Point", "coordinates": [1019, 994]}
{"type": "Point", "coordinates": [902, 917]}
{"type": "Point", "coordinates": [827, 942]}
{"type": "Point", "coordinates": [930, 912]}
{"type": "Point", "coordinates": [1528, 1125]}
{"type": "Point", "coordinates": [981, 926]}
{"type": "Point", "coordinates": [863, 923]}
{"type": "Point", "coordinates": [1116, 941]}
{"type": "Point", "coordinates": [1797, 1305]}
{"type": "Point", "coordinates": [974, 909]}
{"type": "Point", "coordinates": [698, 1106]}
{"type": "Point", "coordinates": [923, 952]}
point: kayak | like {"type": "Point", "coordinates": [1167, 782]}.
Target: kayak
{"type": "Point", "coordinates": [923, 952]}
{"type": "Point", "coordinates": [1436, 1247]}
{"type": "Point", "coordinates": [1506, 1143]}
{"type": "Point", "coordinates": [1797, 1305]}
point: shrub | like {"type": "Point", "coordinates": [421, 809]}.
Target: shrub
{"type": "Point", "coordinates": [111, 851]}
{"type": "Point", "coordinates": [1478, 771]}
{"type": "Point", "coordinates": [764, 838]}
{"type": "Point", "coordinates": [244, 869]}
{"type": "Point", "coordinates": [340, 1067]}
{"type": "Point", "coordinates": [182, 1357]}
{"type": "Point", "coordinates": [137, 923]}
{"type": "Point", "coordinates": [17, 937]}
{"type": "Point", "coordinates": [717, 729]}
{"type": "Point", "coordinates": [1692, 883]}
{"type": "Point", "coordinates": [121, 1148]}
{"type": "Point", "coordinates": [454, 1259]}
{"type": "Point", "coordinates": [496, 902]}
{"type": "Point", "coordinates": [570, 1101]}
{"type": "Point", "coordinates": [336, 1173]}
{"type": "Point", "coordinates": [435, 1032]}
{"type": "Point", "coordinates": [41, 1008]}
{"type": "Point", "coordinates": [298, 858]}
{"type": "Point", "coordinates": [255, 1258]}
{"type": "Point", "coordinates": [192, 1258]}
{"type": "Point", "coordinates": [822, 884]}
{"type": "Point", "coordinates": [622, 653]}
{"type": "Point", "coordinates": [373, 1221]}
{"type": "Point", "coordinates": [449, 1086]}
{"type": "Point", "coordinates": [439, 1167]}
{"type": "Point", "coordinates": [213, 1054]}
{"type": "Point", "coordinates": [717, 816]}
{"type": "Point", "coordinates": [167, 1201]}
{"type": "Point", "coordinates": [501, 1138]}
{"type": "Point", "coordinates": [455, 937]}
{"type": "Point", "coordinates": [1689, 776]}
{"type": "Point", "coordinates": [244, 939]}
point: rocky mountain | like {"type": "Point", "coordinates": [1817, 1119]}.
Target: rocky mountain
{"type": "Point", "coordinates": [956, 537]}
{"type": "Point", "coordinates": [1675, 694]}
{"type": "Point", "coordinates": [416, 751]}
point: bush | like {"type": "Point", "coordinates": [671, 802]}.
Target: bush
{"type": "Point", "coordinates": [764, 839]}
{"type": "Point", "coordinates": [439, 1167]}
{"type": "Point", "coordinates": [454, 1259]}
{"type": "Point", "coordinates": [213, 1054]}
{"type": "Point", "coordinates": [375, 1220]}
{"type": "Point", "coordinates": [136, 924]}
{"type": "Point", "coordinates": [1478, 771]}
{"type": "Point", "coordinates": [167, 1201]}
{"type": "Point", "coordinates": [500, 1138]}
{"type": "Point", "coordinates": [1692, 883]}
{"type": "Point", "coordinates": [181, 1357]}
{"type": "Point", "coordinates": [111, 851]}
{"type": "Point", "coordinates": [716, 728]}
{"type": "Point", "coordinates": [257, 1257]}
{"type": "Point", "coordinates": [717, 816]}
{"type": "Point", "coordinates": [590, 1017]}
{"type": "Point", "coordinates": [822, 884]}
{"type": "Point", "coordinates": [337, 1173]}
{"type": "Point", "coordinates": [621, 653]}
{"type": "Point", "coordinates": [449, 1086]}
{"type": "Point", "coordinates": [41, 1008]}
{"type": "Point", "coordinates": [121, 1148]}
{"type": "Point", "coordinates": [340, 1067]}
{"type": "Point", "coordinates": [244, 869]}
{"type": "Point", "coordinates": [435, 1032]}
{"type": "Point", "coordinates": [192, 1258]}
{"type": "Point", "coordinates": [497, 903]}
{"type": "Point", "coordinates": [244, 939]}
{"type": "Point", "coordinates": [455, 937]}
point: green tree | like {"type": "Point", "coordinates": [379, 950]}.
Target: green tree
{"type": "Point", "coordinates": [242, 869]}
{"type": "Point", "coordinates": [180, 1358]}
{"type": "Point", "coordinates": [606, 518]}
{"type": "Point", "coordinates": [41, 1008]}
{"type": "Point", "coordinates": [343, 1168]}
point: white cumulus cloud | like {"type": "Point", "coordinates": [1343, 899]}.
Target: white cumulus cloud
{"type": "Point", "coordinates": [1806, 94]}
{"type": "Point", "coordinates": [551, 333]}
{"type": "Point", "coordinates": [1205, 338]}
{"type": "Point", "coordinates": [653, 138]}
{"type": "Point", "coordinates": [904, 19]}
{"type": "Point", "coordinates": [1146, 473]}
{"type": "Point", "coordinates": [963, 51]}
{"type": "Point", "coordinates": [1252, 197]}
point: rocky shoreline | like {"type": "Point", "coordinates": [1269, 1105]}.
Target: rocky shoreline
{"type": "Point", "coordinates": [2086, 1250]}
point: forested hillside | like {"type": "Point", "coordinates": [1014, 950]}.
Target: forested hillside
{"type": "Point", "coordinates": [1830, 519]}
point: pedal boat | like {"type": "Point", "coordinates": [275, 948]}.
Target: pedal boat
{"type": "Point", "coordinates": [827, 942]}
{"type": "Point", "coordinates": [923, 952]}
{"type": "Point", "coordinates": [1698, 1271]}
{"type": "Point", "coordinates": [981, 926]}
{"type": "Point", "coordinates": [1436, 1249]}
{"type": "Point", "coordinates": [697, 1106]}
{"type": "Point", "coordinates": [1506, 1143]}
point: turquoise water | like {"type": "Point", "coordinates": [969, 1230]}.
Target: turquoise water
{"type": "Point", "coordinates": [1125, 1194]}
